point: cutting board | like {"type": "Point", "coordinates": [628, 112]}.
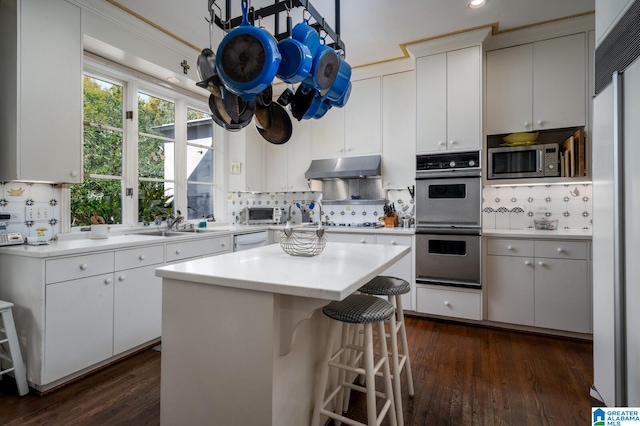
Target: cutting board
{"type": "Point", "coordinates": [568, 147]}
{"type": "Point", "coordinates": [579, 145]}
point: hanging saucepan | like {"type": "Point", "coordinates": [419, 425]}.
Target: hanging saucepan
{"type": "Point", "coordinates": [247, 59]}
{"type": "Point", "coordinates": [341, 82]}
{"type": "Point", "coordinates": [223, 117]}
{"type": "Point", "coordinates": [280, 127]}
{"type": "Point", "coordinates": [207, 71]}
{"type": "Point", "coordinates": [301, 101]}
{"type": "Point", "coordinates": [343, 99]}
{"type": "Point", "coordinates": [307, 35]}
{"type": "Point", "coordinates": [262, 115]}
{"type": "Point", "coordinates": [296, 61]}
{"type": "Point", "coordinates": [324, 69]}
{"type": "Point", "coordinates": [318, 108]}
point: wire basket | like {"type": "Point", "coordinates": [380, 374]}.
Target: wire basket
{"type": "Point", "coordinates": [303, 241]}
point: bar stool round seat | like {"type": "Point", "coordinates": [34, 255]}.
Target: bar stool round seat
{"type": "Point", "coordinates": [394, 288]}
{"type": "Point", "coordinates": [356, 309]}
{"type": "Point", "coordinates": [359, 309]}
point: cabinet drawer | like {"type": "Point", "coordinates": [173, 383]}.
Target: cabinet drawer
{"type": "Point", "coordinates": [137, 257]}
{"type": "Point", "coordinates": [451, 303]}
{"type": "Point", "coordinates": [561, 249]}
{"type": "Point", "coordinates": [509, 247]}
{"type": "Point", "coordinates": [185, 250]}
{"type": "Point", "coordinates": [72, 268]}
{"type": "Point", "coordinates": [400, 240]}
{"type": "Point", "coordinates": [339, 237]}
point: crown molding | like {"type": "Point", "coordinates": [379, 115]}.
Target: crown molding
{"type": "Point", "coordinates": [452, 41]}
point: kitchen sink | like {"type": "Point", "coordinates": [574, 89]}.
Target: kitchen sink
{"type": "Point", "coordinates": [201, 230]}
{"type": "Point", "coordinates": [160, 233]}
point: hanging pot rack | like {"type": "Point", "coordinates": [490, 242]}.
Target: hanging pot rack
{"type": "Point", "coordinates": [282, 6]}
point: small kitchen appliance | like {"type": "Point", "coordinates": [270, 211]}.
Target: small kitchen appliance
{"type": "Point", "coordinates": [527, 161]}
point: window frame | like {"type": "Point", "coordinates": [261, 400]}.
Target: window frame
{"type": "Point", "coordinates": [133, 83]}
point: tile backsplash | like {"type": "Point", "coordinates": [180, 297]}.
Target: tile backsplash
{"type": "Point", "coordinates": [338, 213]}
{"type": "Point", "coordinates": [516, 207]}
{"type": "Point", "coordinates": [38, 205]}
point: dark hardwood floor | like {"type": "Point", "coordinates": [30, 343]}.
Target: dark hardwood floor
{"type": "Point", "coordinates": [464, 375]}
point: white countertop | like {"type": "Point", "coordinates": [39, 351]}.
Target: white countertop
{"type": "Point", "coordinates": [333, 274]}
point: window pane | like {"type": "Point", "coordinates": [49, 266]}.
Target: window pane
{"type": "Point", "coordinates": [155, 158]}
{"type": "Point", "coordinates": [199, 201]}
{"type": "Point", "coordinates": [102, 196]}
{"type": "Point", "coordinates": [155, 201]}
{"type": "Point", "coordinates": [102, 102]}
{"type": "Point", "coordinates": [102, 151]}
{"type": "Point", "coordinates": [199, 164]}
{"type": "Point", "coordinates": [155, 113]}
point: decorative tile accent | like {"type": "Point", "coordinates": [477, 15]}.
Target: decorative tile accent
{"type": "Point", "coordinates": [17, 196]}
{"type": "Point", "coordinates": [570, 204]}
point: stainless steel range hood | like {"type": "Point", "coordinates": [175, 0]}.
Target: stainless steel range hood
{"type": "Point", "coordinates": [344, 167]}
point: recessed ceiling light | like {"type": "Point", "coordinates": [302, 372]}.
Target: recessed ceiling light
{"type": "Point", "coordinates": [476, 4]}
{"type": "Point", "coordinates": [173, 80]}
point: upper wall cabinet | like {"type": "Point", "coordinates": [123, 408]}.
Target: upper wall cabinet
{"type": "Point", "coordinates": [41, 91]}
{"type": "Point", "coordinates": [287, 163]}
{"type": "Point", "coordinates": [352, 130]}
{"type": "Point", "coordinates": [537, 86]}
{"type": "Point", "coordinates": [246, 149]}
{"type": "Point", "coordinates": [398, 130]}
{"type": "Point", "coordinates": [448, 104]}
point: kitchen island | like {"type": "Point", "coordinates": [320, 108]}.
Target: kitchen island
{"type": "Point", "coordinates": [243, 333]}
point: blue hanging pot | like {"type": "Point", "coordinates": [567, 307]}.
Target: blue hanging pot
{"type": "Point", "coordinates": [324, 69]}
{"type": "Point", "coordinates": [341, 82]}
{"type": "Point", "coordinates": [247, 59]}
{"type": "Point", "coordinates": [307, 35]}
{"type": "Point", "coordinates": [344, 98]}
{"type": "Point", "coordinates": [296, 61]}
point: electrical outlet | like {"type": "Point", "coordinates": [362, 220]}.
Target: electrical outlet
{"type": "Point", "coordinates": [541, 209]}
{"type": "Point", "coordinates": [37, 213]}
{"type": "Point", "coordinates": [347, 207]}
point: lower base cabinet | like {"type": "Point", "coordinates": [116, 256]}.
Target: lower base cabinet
{"type": "Point", "coordinates": [541, 283]}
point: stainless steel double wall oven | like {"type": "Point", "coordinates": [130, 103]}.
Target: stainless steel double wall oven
{"type": "Point", "coordinates": [448, 201]}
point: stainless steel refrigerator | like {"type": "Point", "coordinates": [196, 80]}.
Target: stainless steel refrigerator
{"type": "Point", "coordinates": [616, 214]}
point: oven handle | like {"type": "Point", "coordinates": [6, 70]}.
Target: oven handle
{"type": "Point", "coordinates": [447, 230]}
{"type": "Point", "coordinates": [450, 173]}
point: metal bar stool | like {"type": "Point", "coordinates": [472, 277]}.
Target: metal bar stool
{"type": "Point", "coordinates": [356, 309]}
{"type": "Point", "coordinates": [13, 354]}
{"type": "Point", "coordinates": [394, 288]}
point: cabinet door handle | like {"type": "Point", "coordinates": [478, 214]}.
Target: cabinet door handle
{"type": "Point", "coordinates": [141, 257]}
{"type": "Point", "coordinates": [526, 124]}
{"type": "Point", "coordinates": [121, 278]}
{"type": "Point", "coordinates": [178, 251]}
{"type": "Point", "coordinates": [440, 143]}
{"type": "Point", "coordinates": [74, 173]}
{"type": "Point", "coordinates": [363, 241]}
{"type": "Point", "coordinates": [452, 142]}
{"type": "Point", "coordinates": [84, 266]}
{"type": "Point", "coordinates": [560, 250]}
{"type": "Point", "coordinates": [446, 303]}
{"type": "Point", "coordinates": [348, 149]}
{"type": "Point", "coordinates": [223, 244]}
{"type": "Point", "coordinates": [541, 263]}
{"type": "Point", "coordinates": [393, 243]}
{"type": "Point", "coordinates": [540, 123]}
{"type": "Point", "coordinates": [509, 247]}
{"type": "Point", "coordinates": [340, 150]}
{"type": "Point", "coordinates": [526, 262]}
{"type": "Point", "coordinates": [107, 281]}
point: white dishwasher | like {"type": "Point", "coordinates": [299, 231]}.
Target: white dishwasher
{"type": "Point", "coordinates": [251, 240]}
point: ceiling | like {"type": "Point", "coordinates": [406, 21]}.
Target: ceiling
{"type": "Point", "coordinates": [372, 30]}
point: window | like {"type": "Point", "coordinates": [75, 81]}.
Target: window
{"type": "Point", "coordinates": [141, 170]}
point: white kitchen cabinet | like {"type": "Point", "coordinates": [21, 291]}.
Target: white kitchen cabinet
{"type": "Point", "coordinates": [198, 248]}
{"type": "Point", "coordinates": [41, 91]}
{"type": "Point", "coordinates": [541, 283]}
{"type": "Point", "coordinates": [342, 237]}
{"type": "Point", "coordinates": [448, 100]}
{"type": "Point", "coordinates": [537, 86]}
{"type": "Point", "coordinates": [354, 129]}
{"type": "Point", "coordinates": [286, 164]}
{"type": "Point", "coordinates": [449, 302]}
{"type": "Point", "coordinates": [79, 325]}
{"type": "Point", "coordinates": [137, 311]}
{"type": "Point", "coordinates": [398, 130]}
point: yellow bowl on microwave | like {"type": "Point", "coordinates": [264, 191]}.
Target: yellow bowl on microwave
{"type": "Point", "coordinates": [520, 138]}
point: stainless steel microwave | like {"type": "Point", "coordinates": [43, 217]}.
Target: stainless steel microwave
{"type": "Point", "coordinates": [531, 161]}
{"type": "Point", "coordinates": [257, 215]}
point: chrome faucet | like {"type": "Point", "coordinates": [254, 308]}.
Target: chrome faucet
{"type": "Point", "coordinates": [174, 220]}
